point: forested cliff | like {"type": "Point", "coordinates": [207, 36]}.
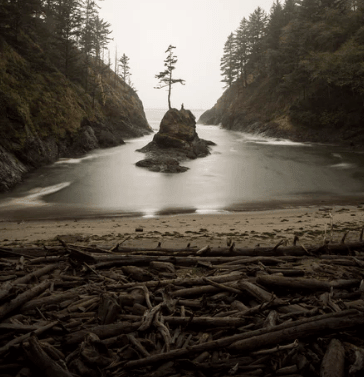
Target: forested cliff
{"type": "Point", "coordinates": [297, 72]}
{"type": "Point", "coordinates": [58, 97]}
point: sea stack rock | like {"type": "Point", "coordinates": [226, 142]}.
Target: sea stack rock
{"type": "Point", "coordinates": [177, 140]}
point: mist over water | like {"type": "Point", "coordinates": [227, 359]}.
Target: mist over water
{"type": "Point", "coordinates": [243, 172]}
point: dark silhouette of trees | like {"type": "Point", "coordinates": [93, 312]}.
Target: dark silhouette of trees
{"type": "Point", "coordinates": [310, 51]}
{"type": "Point", "coordinates": [124, 67]}
{"type": "Point", "coordinates": [242, 51]}
{"type": "Point", "coordinates": [71, 33]}
{"type": "Point", "coordinates": [229, 61]}
{"type": "Point", "coordinates": [165, 77]}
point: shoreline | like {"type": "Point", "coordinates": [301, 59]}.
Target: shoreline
{"type": "Point", "coordinates": [44, 211]}
{"type": "Point", "coordinates": [312, 224]}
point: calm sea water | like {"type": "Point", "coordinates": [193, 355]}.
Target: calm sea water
{"type": "Point", "coordinates": [243, 172]}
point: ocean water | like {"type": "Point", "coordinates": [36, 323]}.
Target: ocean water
{"type": "Point", "coordinates": [243, 172]}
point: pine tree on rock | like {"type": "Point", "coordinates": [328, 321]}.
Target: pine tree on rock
{"type": "Point", "coordinates": [165, 77]}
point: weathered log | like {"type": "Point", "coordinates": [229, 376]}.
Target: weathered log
{"type": "Point", "coordinates": [22, 298]}
{"type": "Point", "coordinates": [108, 309]}
{"type": "Point", "coordinates": [159, 325]}
{"type": "Point", "coordinates": [200, 290]}
{"type": "Point", "coordinates": [102, 331]}
{"type": "Point", "coordinates": [80, 256]}
{"type": "Point", "coordinates": [162, 266]}
{"type": "Point", "coordinates": [38, 357]}
{"type": "Point", "coordinates": [8, 286]}
{"type": "Point", "coordinates": [341, 248]}
{"type": "Point", "coordinates": [137, 273]}
{"type": "Point", "coordinates": [266, 297]}
{"type": "Point", "coordinates": [201, 321]}
{"type": "Point", "coordinates": [318, 328]}
{"type": "Point", "coordinates": [52, 299]}
{"type": "Point", "coordinates": [278, 348]}
{"type": "Point", "coordinates": [224, 278]}
{"type": "Point", "coordinates": [333, 362]}
{"type": "Point", "coordinates": [222, 286]}
{"type": "Point", "coordinates": [148, 317]}
{"type": "Point", "coordinates": [347, 315]}
{"type": "Point", "coordinates": [136, 343]}
{"type": "Point", "coordinates": [358, 365]}
{"type": "Point", "coordinates": [22, 338]}
{"type": "Point", "coordinates": [274, 281]}
{"type": "Point", "coordinates": [286, 271]}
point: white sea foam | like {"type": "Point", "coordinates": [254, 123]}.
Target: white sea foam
{"type": "Point", "coordinates": [207, 211]}
{"type": "Point", "coordinates": [74, 160]}
{"type": "Point", "coordinates": [257, 139]}
{"type": "Point", "coordinates": [343, 165]}
{"type": "Point", "coordinates": [149, 213]}
{"type": "Point", "coordinates": [34, 197]}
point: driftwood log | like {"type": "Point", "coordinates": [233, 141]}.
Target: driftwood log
{"type": "Point", "coordinates": [75, 311]}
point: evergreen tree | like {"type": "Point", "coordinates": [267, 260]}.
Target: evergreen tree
{"type": "Point", "coordinates": [242, 50]}
{"type": "Point", "coordinates": [87, 35]}
{"type": "Point", "coordinates": [228, 64]}
{"type": "Point", "coordinates": [165, 77]}
{"type": "Point", "coordinates": [257, 31]}
{"type": "Point", "coordinates": [102, 31]}
{"type": "Point", "coordinates": [273, 57]}
{"type": "Point", "coordinates": [125, 68]}
{"type": "Point", "coordinates": [67, 23]}
{"type": "Point", "coordinates": [289, 10]}
{"type": "Point", "coordinates": [275, 24]}
{"type": "Point", "coordinates": [21, 15]}
{"type": "Point", "coordinates": [309, 10]}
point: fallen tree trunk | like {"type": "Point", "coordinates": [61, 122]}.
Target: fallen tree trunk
{"type": "Point", "coordinates": [293, 283]}
{"type": "Point", "coordinates": [333, 362]}
{"type": "Point", "coordinates": [23, 298]}
{"type": "Point", "coordinates": [287, 328]}
{"type": "Point", "coordinates": [38, 357]}
{"type": "Point", "coordinates": [318, 328]}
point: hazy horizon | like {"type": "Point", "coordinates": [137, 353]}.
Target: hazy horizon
{"type": "Point", "coordinates": [143, 30]}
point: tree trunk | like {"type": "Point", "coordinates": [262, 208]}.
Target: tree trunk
{"type": "Point", "coordinates": [333, 363]}
{"type": "Point", "coordinates": [38, 357]}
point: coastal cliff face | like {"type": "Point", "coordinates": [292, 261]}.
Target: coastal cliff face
{"type": "Point", "coordinates": [313, 116]}
{"type": "Point", "coordinates": [176, 141]}
{"type": "Point", "coordinates": [44, 116]}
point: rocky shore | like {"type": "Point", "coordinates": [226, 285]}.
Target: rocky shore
{"type": "Point", "coordinates": [176, 141]}
{"type": "Point", "coordinates": [252, 110]}
{"type": "Point", "coordinates": [45, 116]}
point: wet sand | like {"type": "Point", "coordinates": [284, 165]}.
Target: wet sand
{"type": "Point", "coordinates": [312, 224]}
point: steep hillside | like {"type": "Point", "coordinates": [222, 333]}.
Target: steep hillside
{"type": "Point", "coordinates": [315, 116]}
{"type": "Point", "coordinates": [297, 73]}
{"type": "Point", "coordinates": [45, 116]}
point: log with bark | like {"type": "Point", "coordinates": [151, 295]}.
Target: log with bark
{"type": "Point", "coordinates": [117, 311]}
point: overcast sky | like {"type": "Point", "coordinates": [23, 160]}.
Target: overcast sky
{"type": "Point", "coordinates": [143, 30]}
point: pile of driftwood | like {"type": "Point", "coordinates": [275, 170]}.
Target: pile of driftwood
{"type": "Point", "coordinates": [283, 311]}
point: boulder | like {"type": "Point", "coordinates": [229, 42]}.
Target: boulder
{"type": "Point", "coordinates": [176, 127]}
{"type": "Point", "coordinates": [176, 141]}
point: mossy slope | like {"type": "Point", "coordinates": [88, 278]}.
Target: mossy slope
{"type": "Point", "coordinates": [45, 116]}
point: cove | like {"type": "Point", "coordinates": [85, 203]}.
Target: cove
{"type": "Point", "coordinates": [243, 172]}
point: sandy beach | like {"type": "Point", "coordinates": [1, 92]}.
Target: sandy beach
{"type": "Point", "coordinates": [312, 224]}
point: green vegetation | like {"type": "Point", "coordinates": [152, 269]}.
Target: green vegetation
{"type": "Point", "coordinates": [58, 96]}
{"type": "Point", "coordinates": [165, 77]}
{"type": "Point", "coordinates": [300, 67]}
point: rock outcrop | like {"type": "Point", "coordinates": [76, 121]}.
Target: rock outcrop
{"type": "Point", "coordinates": [260, 109]}
{"type": "Point", "coordinates": [176, 141]}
